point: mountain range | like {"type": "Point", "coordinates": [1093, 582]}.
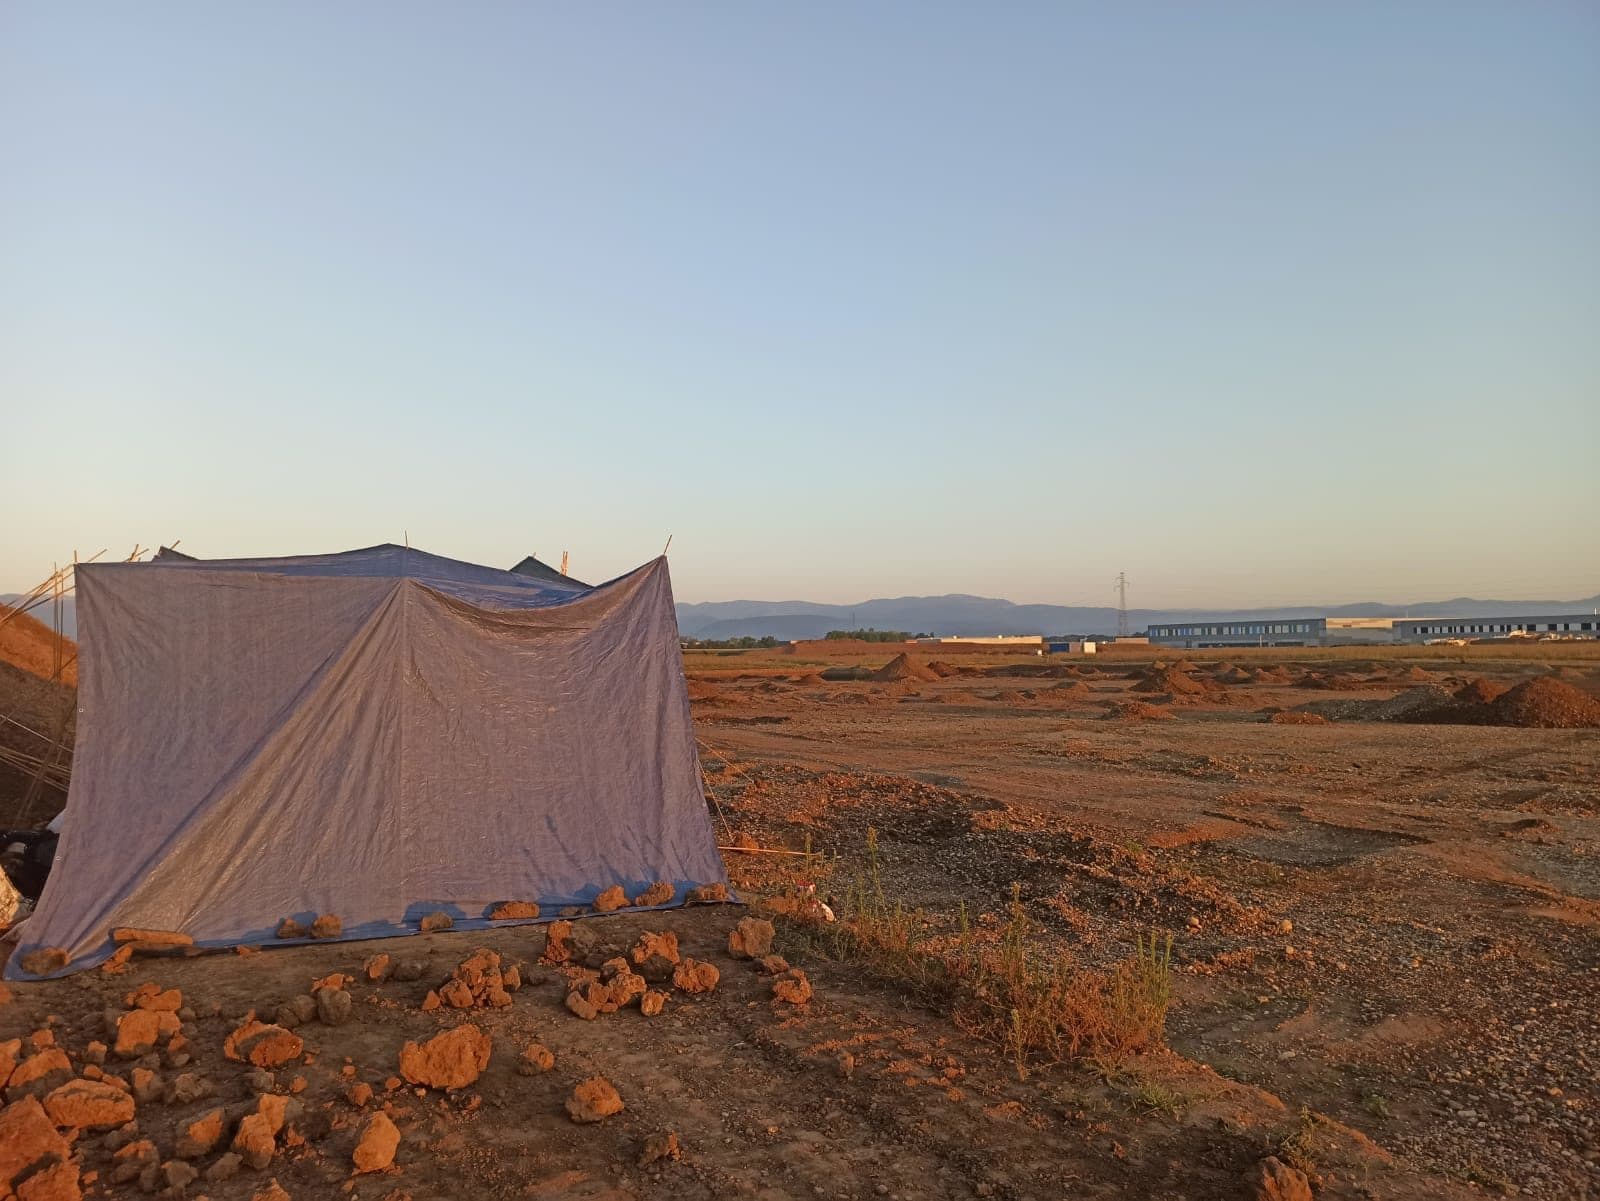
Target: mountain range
{"type": "Point", "coordinates": [958, 614]}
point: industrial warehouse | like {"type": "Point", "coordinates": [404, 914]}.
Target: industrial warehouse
{"type": "Point", "coordinates": [1337, 631]}
{"type": "Point", "coordinates": [1561, 625]}
{"type": "Point", "coordinates": [1290, 631]}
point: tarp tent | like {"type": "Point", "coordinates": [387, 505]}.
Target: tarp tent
{"type": "Point", "coordinates": [540, 570]}
{"type": "Point", "coordinates": [379, 735]}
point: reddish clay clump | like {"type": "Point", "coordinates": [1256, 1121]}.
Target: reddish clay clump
{"type": "Point", "coordinates": [453, 1059]}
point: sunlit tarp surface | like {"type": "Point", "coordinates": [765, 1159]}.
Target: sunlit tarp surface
{"type": "Point", "coordinates": [379, 735]}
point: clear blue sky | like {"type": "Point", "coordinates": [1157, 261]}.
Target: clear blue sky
{"type": "Point", "coordinates": [1258, 302]}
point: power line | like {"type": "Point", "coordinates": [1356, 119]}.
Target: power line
{"type": "Point", "coordinates": [1122, 604]}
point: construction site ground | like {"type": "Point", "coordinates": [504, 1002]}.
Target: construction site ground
{"type": "Point", "coordinates": [1386, 957]}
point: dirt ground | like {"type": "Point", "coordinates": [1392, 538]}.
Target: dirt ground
{"type": "Point", "coordinates": [1386, 958]}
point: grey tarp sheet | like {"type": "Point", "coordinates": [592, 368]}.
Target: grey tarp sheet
{"type": "Point", "coordinates": [378, 735]}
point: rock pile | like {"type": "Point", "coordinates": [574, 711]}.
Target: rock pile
{"type": "Point", "coordinates": [478, 982]}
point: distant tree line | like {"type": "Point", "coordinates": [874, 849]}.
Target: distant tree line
{"type": "Point", "coordinates": [746, 643]}
{"type": "Point", "coordinates": [872, 635]}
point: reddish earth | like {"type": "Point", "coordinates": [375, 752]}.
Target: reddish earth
{"type": "Point", "coordinates": [1387, 945]}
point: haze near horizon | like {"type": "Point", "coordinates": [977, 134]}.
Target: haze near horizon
{"type": "Point", "coordinates": [1260, 305]}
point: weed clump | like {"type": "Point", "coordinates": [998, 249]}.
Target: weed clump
{"type": "Point", "coordinates": [1041, 1005]}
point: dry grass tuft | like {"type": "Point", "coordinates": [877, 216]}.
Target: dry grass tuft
{"type": "Point", "coordinates": [1041, 1006]}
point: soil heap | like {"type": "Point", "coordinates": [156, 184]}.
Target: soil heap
{"type": "Point", "coordinates": [1545, 703]}
{"type": "Point", "coordinates": [903, 667]}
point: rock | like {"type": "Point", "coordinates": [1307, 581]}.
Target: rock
{"type": "Point", "coordinates": [137, 1032]}
{"type": "Point", "coordinates": [453, 1059]}
{"type": "Point", "coordinates": [200, 1136]}
{"type": "Point", "coordinates": [254, 1141]}
{"type": "Point", "coordinates": [378, 1142]}
{"type": "Point", "coordinates": [10, 1052]}
{"type": "Point", "coordinates": [557, 943]}
{"type": "Point", "coordinates": [846, 1064]}
{"type": "Point", "coordinates": [57, 1181]}
{"type": "Point", "coordinates": [707, 894]}
{"type": "Point", "coordinates": [260, 1081]}
{"type": "Point", "coordinates": [262, 1045]}
{"type": "Point", "coordinates": [187, 1089]}
{"type": "Point", "coordinates": [659, 1147]}
{"type": "Point", "coordinates": [793, 987]}
{"type": "Point", "coordinates": [225, 1167]}
{"type": "Point", "coordinates": [151, 940]}
{"type": "Point", "coordinates": [377, 969]}
{"type": "Point", "coordinates": [27, 1139]}
{"type": "Point", "coordinates": [535, 1058]}
{"type": "Point", "coordinates": [655, 955]}
{"type": "Point", "coordinates": [659, 893]}
{"type": "Point", "coordinates": [751, 938]}
{"type": "Point", "coordinates": [179, 1175]}
{"type": "Point", "coordinates": [147, 1086]}
{"type": "Point", "coordinates": [408, 970]}
{"type": "Point", "coordinates": [278, 1111]}
{"type": "Point", "coordinates": [652, 1003]}
{"type": "Point", "coordinates": [510, 911]}
{"type": "Point", "coordinates": [94, 1053]}
{"type": "Point", "coordinates": [511, 979]}
{"type": "Point", "coordinates": [611, 899]}
{"type": "Point", "coordinates": [43, 960]}
{"type": "Point", "coordinates": [132, 1159]}
{"type": "Point", "coordinates": [151, 996]}
{"type": "Point", "coordinates": [272, 1191]}
{"type": "Point", "coordinates": [578, 1003]}
{"type": "Point", "coordinates": [1274, 1180]}
{"type": "Point", "coordinates": [121, 1136]}
{"type": "Point", "coordinates": [439, 920]}
{"type": "Point", "coordinates": [625, 987]}
{"type": "Point", "coordinates": [431, 1002]}
{"type": "Point", "coordinates": [118, 963]}
{"type": "Point", "coordinates": [289, 928]}
{"type": "Point", "coordinates": [773, 965]}
{"type": "Point", "coordinates": [327, 925]}
{"type": "Point", "coordinates": [89, 1105]}
{"type": "Point", "coordinates": [694, 976]}
{"type": "Point", "coordinates": [38, 1074]}
{"type": "Point", "coordinates": [359, 1094]}
{"type": "Point", "coordinates": [593, 1100]}
{"type": "Point", "coordinates": [456, 995]}
{"type": "Point", "coordinates": [333, 1006]}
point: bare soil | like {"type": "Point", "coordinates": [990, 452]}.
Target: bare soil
{"type": "Point", "coordinates": [1386, 958]}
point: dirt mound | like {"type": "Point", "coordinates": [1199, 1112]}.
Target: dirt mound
{"type": "Point", "coordinates": [1234, 675]}
{"type": "Point", "coordinates": [1135, 711]}
{"type": "Point", "coordinates": [1290, 717]}
{"type": "Point", "coordinates": [1337, 681]}
{"type": "Point", "coordinates": [1414, 675]}
{"type": "Point", "coordinates": [809, 680]}
{"type": "Point", "coordinates": [27, 643]}
{"type": "Point", "coordinates": [1545, 703]}
{"type": "Point", "coordinates": [1425, 703]}
{"type": "Point", "coordinates": [942, 669]}
{"type": "Point", "coordinates": [903, 667]}
{"type": "Point", "coordinates": [1480, 691]}
{"type": "Point", "coordinates": [1030, 671]}
{"type": "Point", "coordinates": [1170, 680]}
{"type": "Point", "coordinates": [847, 673]}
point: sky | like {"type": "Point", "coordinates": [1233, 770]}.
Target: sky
{"type": "Point", "coordinates": [1258, 303]}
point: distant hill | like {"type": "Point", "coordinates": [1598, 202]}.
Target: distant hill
{"type": "Point", "coordinates": [959, 614]}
